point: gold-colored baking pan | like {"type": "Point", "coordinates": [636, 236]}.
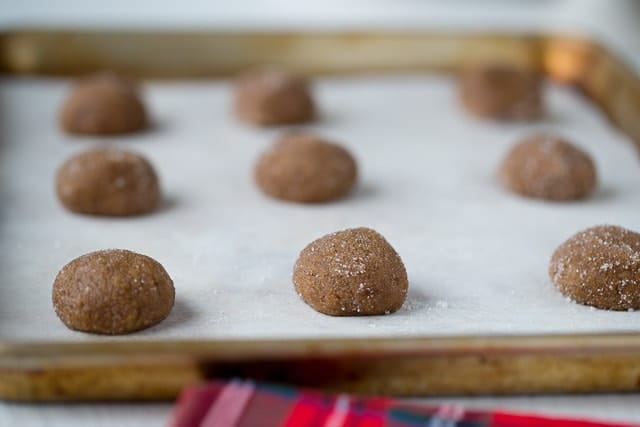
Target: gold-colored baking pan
{"type": "Point", "coordinates": [136, 369]}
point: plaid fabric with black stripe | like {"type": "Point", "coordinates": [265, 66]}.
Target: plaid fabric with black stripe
{"type": "Point", "coordinates": [249, 404]}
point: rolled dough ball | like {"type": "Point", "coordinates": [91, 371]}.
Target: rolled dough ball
{"type": "Point", "coordinates": [599, 266]}
{"type": "Point", "coordinates": [354, 272]}
{"type": "Point", "coordinates": [305, 168]}
{"type": "Point", "coordinates": [272, 97]}
{"type": "Point", "coordinates": [110, 182]}
{"type": "Point", "coordinates": [548, 167]}
{"type": "Point", "coordinates": [112, 292]}
{"type": "Point", "coordinates": [103, 104]}
{"type": "Point", "coordinates": [501, 92]}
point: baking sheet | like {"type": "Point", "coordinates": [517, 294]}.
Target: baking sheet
{"type": "Point", "coordinates": [476, 256]}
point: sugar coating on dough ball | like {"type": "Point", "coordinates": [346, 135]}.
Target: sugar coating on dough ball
{"type": "Point", "coordinates": [103, 104]}
{"type": "Point", "coordinates": [112, 292]}
{"type": "Point", "coordinates": [600, 267]}
{"type": "Point", "coordinates": [501, 92]}
{"type": "Point", "coordinates": [354, 272]}
{"type": "Point", "coordinates": [108, 181]}
{"type": "Point", "coordinates": [302, 167]}
{"type": "Point", "coordinates": [548, 167]}
{"type": "Point", "coordinates": [272, 97]}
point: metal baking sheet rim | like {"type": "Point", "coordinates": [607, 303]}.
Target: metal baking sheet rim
{"type": "Point", "coordinates": [151, 370]}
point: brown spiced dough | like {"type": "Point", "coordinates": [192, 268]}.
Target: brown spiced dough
{"type": "Point", "coordinates": [112, 292]}
{"type": "Point", "coordinates": [302, 167]}
{"type": "Point", "coordinates": [108, 181]}
{"type": "Point", "coordinates": [501, 92]}
{"type": "Point", "coordinates": [272, 97]}
{"type": "Point", "coordinates": [600, 267]}
{"type": "Point", "coordinates": [103, 104]}
{"type": "Point", "coordinates": [548, 167]}
{"type": "Point", "coordinates": [354, 272]}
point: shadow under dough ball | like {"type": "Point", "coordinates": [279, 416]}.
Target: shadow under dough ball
{"type": "Point", "coordinates": [112, 292]}
{"type": "Point", "coordinates": [109, 182]}
{"type": "Point", "coordinates": [103, 104]}
{"type": "Point", "coordinates": [600, 267]}
{"type": "Point", "coordinates": [501, 92]}
{"type": "Point", "coordinates": [547, 167]}
{"type": "Point", "coordinates": [305, 168]}
{"type": "Point", "coordinates": [272, 97]}
{"type": "Point", "coordinates": [354, 272]}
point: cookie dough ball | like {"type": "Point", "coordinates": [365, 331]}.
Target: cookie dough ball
{"type": "Point", "coordinates": [305, 168]}
{"type": "Point", "coordinates": [599, 266]}
{"type": "Point", "coordinates": [501, 92]}
{"type": "Point", "coordinates": [112, 292]}
{"type": "Point", "coordinates": [103, 104]}
{"type": "Point", "coordinates": [354, 272]}
{"type": "Point", "coordinates": [547, 167]}
{"type": "Point", "coordinates": [109, 182]}
{"type": "Point", "coordinates": [273, 97]}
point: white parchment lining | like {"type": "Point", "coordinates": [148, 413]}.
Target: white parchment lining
{"type": "Point", "coordinates": [476, 256]}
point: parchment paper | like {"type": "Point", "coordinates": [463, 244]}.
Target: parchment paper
{"type": "Point", "coordinates": [476, 256]}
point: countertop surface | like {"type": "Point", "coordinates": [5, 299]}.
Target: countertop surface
{"type": "Point", "coordinates": [619, 408]}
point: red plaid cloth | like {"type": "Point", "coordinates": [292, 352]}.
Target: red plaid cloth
{"type": "Point", "coordinates": [247, 404]}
